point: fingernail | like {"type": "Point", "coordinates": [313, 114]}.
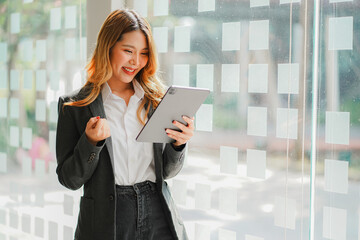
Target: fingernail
{"type": "Point", "coordinates": [98, 117]}
{"type": "Point", "coordinates": [173, 121]}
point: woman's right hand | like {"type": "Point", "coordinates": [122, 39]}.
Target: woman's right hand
{"type": "Point", "coordinates": [97, 129]}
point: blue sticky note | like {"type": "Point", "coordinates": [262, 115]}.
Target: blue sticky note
{"type": "Point", "coordinates": [14, 80]}
{"type": "Point", "coordinates": [40, 80]}
{"type": "Point", "coordinates": [28, 79]}
{"type": "Point", "coordinates": [3, 51]}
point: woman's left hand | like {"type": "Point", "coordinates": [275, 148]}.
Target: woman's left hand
{"type": "Point", "coordinates": [184, 136]}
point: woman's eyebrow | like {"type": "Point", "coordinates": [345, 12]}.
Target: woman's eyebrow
{"type": "Point", "coordinates": [131, 46]}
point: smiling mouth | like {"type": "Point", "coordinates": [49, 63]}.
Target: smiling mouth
{"type": "Point", "coordinates": [128, 71]}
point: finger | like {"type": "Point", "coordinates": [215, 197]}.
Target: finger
{"type": "Point", "coordinates": [92, 121]}
{"type": "Point", "coordinates": [178, 135]}
{"type": "Point", "coordinates": [181, 126]}
{"type": "Point", "coordinates": [176, 138]}
{"type": "Point", "coordinates": [190, 121]}
{"type": "Point", "coordinates": [98, 128]}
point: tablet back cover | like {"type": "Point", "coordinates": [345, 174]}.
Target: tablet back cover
{"type": "Point", "coordinates": [177, 101]}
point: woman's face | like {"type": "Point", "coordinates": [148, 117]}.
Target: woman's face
{"type": "Point", "coordinates": [129, 56]}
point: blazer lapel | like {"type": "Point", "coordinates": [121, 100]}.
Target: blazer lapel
{"type": "Point", "coordinates": [97, 109]}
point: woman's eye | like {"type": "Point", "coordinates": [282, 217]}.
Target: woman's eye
{"type": "Point", "coordinates": [128, 51]}
{"type": "Point", "coordinates": [145, 54]}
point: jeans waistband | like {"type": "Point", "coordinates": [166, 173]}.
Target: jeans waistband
{"type": "Point", "coordinates": [137, 188]}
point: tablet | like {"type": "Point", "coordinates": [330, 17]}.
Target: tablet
{"type": "Point", "coordinates": [177, 101]}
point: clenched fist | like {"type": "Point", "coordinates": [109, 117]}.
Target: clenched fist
{"type": "Point", "coordinates": [97, 129]}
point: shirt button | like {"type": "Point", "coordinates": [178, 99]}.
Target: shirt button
{"type": "Point", "coordinates": [111, 197]}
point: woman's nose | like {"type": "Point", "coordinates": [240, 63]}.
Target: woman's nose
{"type": "Point", "coordinates": [135, 59]}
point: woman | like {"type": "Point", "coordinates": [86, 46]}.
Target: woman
{"type": "Point", "coordinates": [125, 195]}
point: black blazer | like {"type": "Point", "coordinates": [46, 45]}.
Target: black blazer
{"type": "Point", "coordinates": [82, 164]}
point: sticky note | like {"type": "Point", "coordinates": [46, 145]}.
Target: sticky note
{"type": "Point", "coordinates": [258, 78]}
{"type": "Point", "coordinates": [161, 7]}
{"type": "Point", "coordinates": [39, 168]}
{"type": "Point", "coordinates": [3, 218]}
{"type": "Point", "coordinates": [289, 1]}
{"type": "Point", "coordinates": [3, 162]}
{"type": "Point", "coordinates": [26, 138]}
{"type": "Point", "coordinates": [53, 230]}
{"type": "Point", "coordinates": [182, 39]}
{"type": "Point", "coordinates": [285, 217]}
{"type": "Point", "coordinates": [161, 38]}
{"type": "Point", "coordinates": [83, 48]}
{"type": "Point", "coordinates": [40, 80]}
{"type": "Point", "coordinates": [230, 77]}
{"type": "Point", "coordinates": [41, 50]}
{"type": "Point", "coordinates": [13, 218]}
{"type": "Point", "coordinates": [141, 6]}
{"type": "Point", "coordinates": [334, 223]}
{"type": "Point", "coordinates": [206, 5]}
{"type": "Point", "coordinates": [231, 36]}
{"type": "Point", "coordinates": [68, 205]}
{"type": "Point", "coordinates": [204, 118]}
{"type": "Point", "coordinates": [336, 176]}
{"type": "Point", "coordinates": [179, 191]}
{"type": "Point", "coordinates": [202, 196]}
{"type": "Point", "coordinates": [228, 201]}
{"type": "Point", "coordinates": [68, 232]}
{"type": "Point", "coordinates": [337, 127]}
{"type": "Point", "coordinates": [39, 227]}
{"type": "Point", "coordinates": [54, 80]}
{"type": "Point", "coordinates": [3, 51]}
{"type": "Point", "coordinates": [14, 79]}
{"type": "Point", "coordinates": [202, 232]}
{"type": "Point", "coordinates": [252, 237]}
{"type": "Point", "coordinates": [259, 3]}
{"type": "Point", "coordinates": [40, 110]}
{"type": "Point", "coordinates": [3, 78]}
{"type": "Point", "coordinates": [3, 107]}
{"type": "Point", "coordinates": [53, 112]}
{"type": "Point", "coordinates": [26, 50]}
{"type": "Point", "coordinates": [52, 141]}
{"type": "Point", "coordinates": [70, 49]}
{"type": "Point", "coordinates": [340, 33]}
{"type": "Point", "coordinates": [257, 121]}
{"type": "Point", "coordinates": [70, 17]}
{"type": "Point", "coordinates": [39, 197]}
{"type": "Point", "coordinates": [259, 35]}
{"type": "Point", "coordinates": [337, 1]}
{"type": "Point", "coordinates": [14, 136]}
{"type": "Point", "coordinates": [15, 23]}
{"type": "Point", "coordinates": [225, 234]}
{"type": "Point", "coordinates": [181, 74]}
{"type": "Point", "coordinates": [55, 18]}
{"type": "Point", "coordinates": [25, 194]}
{"type": "Point", "coordinates": [256, 163]}
{"type": "Point", "coordinates": [228, 159]}
{"type": "Point", "coordinates": [28, 79]}
{"type": "Point", "coordinates": [205, 76]}
{"type": "Point", "coordinates": [26, 166]}
{"type": "Point", "coordinates": [287, 123]}
{"type": "Point", "coordinates": [288, 78]}
{"type": "Point", "coordinates": [14, 108]}
{"type": "Point", "coordinates": [26, 223]}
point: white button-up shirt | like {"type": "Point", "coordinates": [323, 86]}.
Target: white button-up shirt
{"type": "Point", "coordinates": [133, 161]}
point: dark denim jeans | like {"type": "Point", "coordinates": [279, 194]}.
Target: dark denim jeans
{"type": "Point", "coordinates": [139, 215]}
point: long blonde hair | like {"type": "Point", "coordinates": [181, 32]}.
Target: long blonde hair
{"type": "Point", "coordinates": [99, 68]}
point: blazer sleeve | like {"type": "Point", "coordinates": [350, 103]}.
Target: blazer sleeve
{"type": "Point", "coordinates": [76, 157]}
{"type": "Point", "coordinates": [173, 160]}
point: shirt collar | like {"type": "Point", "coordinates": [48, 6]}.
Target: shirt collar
{"type": "Point", "coordinates": [139, 91]}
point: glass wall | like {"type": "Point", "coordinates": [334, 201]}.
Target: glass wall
{"type": "Point", "coordinates": [277, 142]}
{"type": "Point", "coordinates": [42, 56]}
